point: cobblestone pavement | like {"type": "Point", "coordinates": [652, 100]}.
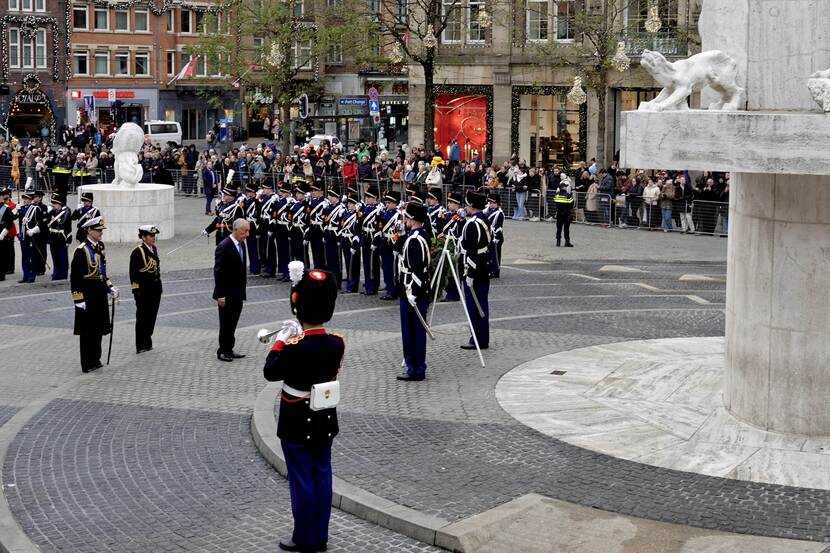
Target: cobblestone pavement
{"type": "Point", "coordinates": [154, 453]}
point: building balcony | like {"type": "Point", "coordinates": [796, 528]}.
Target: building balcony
{"type": "Point", "coordinates": [663, 42]}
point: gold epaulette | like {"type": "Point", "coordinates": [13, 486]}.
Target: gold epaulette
{"type": "Point", "coordinates": [294, 340]}
{"type": "Point", "coordinates": [77, 296]}
{"type": "Point", "coordinates": [81, 245]}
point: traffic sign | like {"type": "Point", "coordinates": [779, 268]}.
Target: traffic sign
{"type": "Point", "coordinates": [374, 107]}
{"type": "Point", "coordinates": [376, 119]}
{"type": "Point", "coordinates": [373, 93]}
{"type": "Point", "coordinates": [111, 94]}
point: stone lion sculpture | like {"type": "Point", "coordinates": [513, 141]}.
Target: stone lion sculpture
{"type": "Point", "coordinates": [819, 86]}
{"type": "Point", "coordinates": [682, 77]}
{"type": "Point", "coordinates": [125, 147]}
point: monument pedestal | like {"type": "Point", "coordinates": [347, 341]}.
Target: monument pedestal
{"type": "Point", "coordinates": [126, 208]}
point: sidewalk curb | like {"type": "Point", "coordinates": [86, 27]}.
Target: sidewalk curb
{"type": "Point", "coordinates": [347, 497]}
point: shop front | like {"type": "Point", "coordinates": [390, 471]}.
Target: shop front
{"type": "Point", "coordinates": [629, 99]}
{"type": "Point", "coordinates": [108, 108]}
{"type": "Point", "coordinates": [546, 129]}
{"type": "Point", "coordinates": [464, 114]}
{"type": "Point", "coordinates": [260, 114]}
{"type": "Point", "coordinates": [30, 113]}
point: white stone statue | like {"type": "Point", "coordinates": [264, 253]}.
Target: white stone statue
{"type": "Point", "coordinates": [679, 79]}
{"type": "Point", "coordinates": [819, 85]}
{"type": "Point", "coordinates": [125, 147]}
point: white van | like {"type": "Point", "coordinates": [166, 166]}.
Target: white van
{"type": "Point", "coordinates": [162, 132]}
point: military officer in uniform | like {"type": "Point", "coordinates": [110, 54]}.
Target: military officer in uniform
{"type": "Point", "coordinates": [32, 222]}
{"type": "Point", "coordinates": [332, 217]}
{"type": "Point", "coordinates": [299, 223]}
{"type": "Point", "coordinates": [475, 247]}
{"type": "Point", "coordinates": [317, 206]}
{"type": "Point", "coordinates": [370, 240]}
{"type": "Point", "coordinates": [495, 216]}
{"type": "Point", "coordinates": [8, 215]}
{"type": "Point", "coordinates": [350, 243]}
{"type": "Point", "coordinates": [413, 268]}
{"type": "Point", "coordinates": [449, 227]}
{"type": "Point", "coordinates": [266, 238]}
{"type": "Point", "coordinates": [90, 285]}
{"type": "Point", "coordinates": [60, 235]}
{"type": "Point", "coordinates": [227, 212]}
{"type": "Point", "coordinates": [40, 239]}
{"type": "Point", "coordinates": [252, 207]}
{"type": "Point", "coordinates": [301, 358]}
{"type": "Point", "coordinates": [145, 281]}
{"type": "Point", "coordinates": [564, 203]}
{"type": "Point", "coordinates": [389, 229]}
{"type": "Point", "coordinates": [84, 213]}
{"type": "Point", "coordinates": [281, 223]}
{"type": "Point", "coordinates": [435, 210]}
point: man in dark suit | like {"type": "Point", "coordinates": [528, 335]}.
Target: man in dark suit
{"type": "Point", "coordinates": [229, 275]}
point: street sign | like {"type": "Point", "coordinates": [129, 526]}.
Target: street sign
{"type": "Point", "coordinates": [373, 93]}
{"type": "Point", "coordinates": [376, 119]}
{"type": "Point", "coordinates": [374, 107]}
{"type": "Point", "coordinates": [111, 94]}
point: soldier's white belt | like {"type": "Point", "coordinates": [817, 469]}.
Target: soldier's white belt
{"type": "Point", "coordinates": [294, 391]}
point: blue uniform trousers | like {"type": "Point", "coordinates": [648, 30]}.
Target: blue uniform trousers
{"type": "Point", "coordinates": [371, 267]}
{"type": "Point", "coordinates": [387, 257]}
{"type": "Point", "coordinates": [283, 252]}
{"type": "Point", "coordinates": [495, 259]}
{"type": "Point", "coordinates": [267, 249]}
{"type": "Point", "coordinates": [60, 261]}
{"type": "Point", "coordinates": [333, 265]}
{"type": "Point", "coordinates": [481, 325]}
{"type": "Point", "coordinates": [309, 480]}
{"type": "Point", "coordinates": [253, 253]}
{"type": "Point", "coordinates": [452, 290]}
{"type": "Point", "coordinates": [318, 253]}
{"type": "Point", "coordinates": [352, 264]}
{"type": "Point", "coordinates": [414, 336]}
{"type": "Point", "coordinates": [27, 259]}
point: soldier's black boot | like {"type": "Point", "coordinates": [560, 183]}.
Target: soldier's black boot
{"type": "Point", "coordinates": [558, 243]}
{"type": "Point", "coordinates": [568, 245]}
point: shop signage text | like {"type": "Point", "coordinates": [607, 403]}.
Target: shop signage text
{"type": "Point", "coordinates": [118, 94]}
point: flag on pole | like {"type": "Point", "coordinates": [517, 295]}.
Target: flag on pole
{"type": "Point", "coordinates": [251, 67]}
{"type": "Point", "coordinates": [186, 71]}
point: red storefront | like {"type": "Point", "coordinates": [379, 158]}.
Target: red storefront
{"type": "Point", "coordinates": [466, 117]}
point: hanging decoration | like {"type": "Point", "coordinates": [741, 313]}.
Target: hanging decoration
{"type": "Point", "coordinates": [396, 56]}
{"type": "Point", "coordinates": [620, 61]}
{"type": "Point", "coordinates": [577, 94]}
{"type": "Point", "coordinates": [28, 25]}
{"type": "Point", "coordinates": [485, 19]}
{"type": "Point", "coordinates": [429, 40]}
{"type": "Point", "coordinates": [653, 23]}
{"type": "Point", "coordinates": [166, 5]}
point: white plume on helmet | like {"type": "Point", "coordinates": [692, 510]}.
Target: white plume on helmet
{"type": "Point", "coordinates": [295, 271]}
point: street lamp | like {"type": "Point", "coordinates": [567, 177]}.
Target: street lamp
{"type": "Point", "coordinates": [429, 40]}
{"type": "Point", "coordinates": [577, 94]}
{"type": "Point", "coordinates": [485, 19]}
{"type": "Point", "coordinates": [653, 23]}
{"type": "Point", "coordinates": [620, 61]}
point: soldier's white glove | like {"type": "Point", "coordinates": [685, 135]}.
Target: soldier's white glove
{"type": "Point", "coordinates": [270, 234]}
{"type": "Point", "coordinates": [469, 281]}
{"type": "Point", "coordinates": [410, 297]}
{"type": "Point", "coordinates": [3, 233]}
{"type": "Point", "coordinates": [81, 305]}
{"type": "Point", "coordinates": [373, 247]}
{"type": "Point", "coordinates": [114, 293]}
{"type": "Point", "coordinates": [290, 328]}
{"type": "Point", "coordinates": [80, 205]}
{"type": "Point", "coordinates": [33, 231]}
{"type": "Point", "coordinates": [352, 251]}
{"type": "Point", "coordinates": [204, 233]}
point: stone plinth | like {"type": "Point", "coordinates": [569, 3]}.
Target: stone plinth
{"type": "Point", "coordinates": [777, 308]}
{"type": "Point", "coordinates": [124, 209]}
{"type": "Point", "coordinates": [745, 141]}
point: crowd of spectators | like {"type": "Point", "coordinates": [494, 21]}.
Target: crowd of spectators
{"type": "Point", "coordinates": [612, 196]}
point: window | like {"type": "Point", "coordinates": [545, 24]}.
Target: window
{"type": "Point", "coordinates": [452, 32]}
{"type": "Point", "coordinates": [102, 20]}
{"type": "Point", "coordinates": [40, 48]}
{"type": "Point", "coordinates": [475, 32]}
{"type": "Point", "coordinates": [26, 5]}
{"type": "Point", "coordinates": [14, 48]}
{"type": "Point", "coordinates": [374, 7]}
{"type": "Point", "coordinates": [334, 56]}
{"type": "Point", "coordinates": [171, 62]}
{"type": "Point", "coordinates": [170, 20]}
{"type": "Point", "coordinates": [102, 63]}
{"type": "Point", "coordinates": [201, 66]}
{"type": "Point", "coordinates": [28, 55]}
{"type": "Point", "coordinates": [14, 5]}
{"type": "Point", "coordinates": [637, 13]}
{"type": "Point", "coordinates": [185, 21]}
{"type": "Point", "coordinates": [184, 59]}
{"type": "Point", "coordinates": [79, 18]}
{"type": "Point", "coordinates": [141, 20]}
{"type": "Point", "coordinates": [142, 63]}
{"type": "Point", "coordinates": [258, 54]}
{"type": "Point", "coordinates": [302, 55]}
{"type": "Point", "coordinates": [334, 3]}
{"type": "Point", "coordinates": [122, 63]}
{"type": "Point", "coordinates": [122, 20]}
{"type": "Point", "coordinates": [162, 128]}
{"type": "Point", "coordinates": [546, 15]}
{"type": "Point", "coordinates": [199, 17]}
{"type": "Point", "coordinates": [298, 8]}
{"type": "Point", "coordinates": [401, 15]}
{"type": "Point", "coordinates": [79, 63]}
{"type": "Point", "coordinates": [40, 5]}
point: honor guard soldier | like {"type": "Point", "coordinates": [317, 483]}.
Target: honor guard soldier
{"type": "Point", "coordinates": [317, 204]}
{"type": "Point", "coordinates": [564, 203]}
{"type": "Point", "coordinates": [266, 239]}
{"type": "Point", "coordinates": [475, 248]}
{"type": "Point", "coordinates": [60, 235]}
{"type": "Point", "coordinates": [389, 232]}
{"type": "Point", "coordinates": [145, 281]}
{"type": "Point", "coordinates": [370, 240]}
{"type": "Point", "coordinates": [32, 222]}
{"type": "Point", "coordinates": [281, 223]}
{"type": "Point", "coordinates": [450, 228]}
{"type": "Point", "coordinates": [41, 239]}
{"type": "Point", "coordinates": [495, 216]}
{"type": "Point", "coordinates": [252, 213]}
{"type": "Point", "coordinates": [413, 268]}
{"type": "Point", "coordinates": [8, 230]}
{"type": "Point", "coordinates": [90, 285]}
{"type": "Point", "coordinates": [308, 360]}
{"type": "Point", "coordinates": [84, 213]}
{"type": "Point", "coordinates": [435, 210]}
{"type": "Point", "coordinates": [299, 223]}
{"type": "Point", "coordinates": [350, 243]}
{"type": "Point", "coordinates": [227, 212]}
{"type": "Point", "coordinates": [332, 217]}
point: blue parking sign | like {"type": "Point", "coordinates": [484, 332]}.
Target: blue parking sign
{"type": "Point", "coordinates": [374, 106]}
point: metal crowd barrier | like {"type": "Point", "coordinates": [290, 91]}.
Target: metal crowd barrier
{"type": "Point", "coordinates": [710, 217]}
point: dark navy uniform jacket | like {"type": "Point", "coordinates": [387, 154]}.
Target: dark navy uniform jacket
{"type": "Point", "coordinates": [300, 363]}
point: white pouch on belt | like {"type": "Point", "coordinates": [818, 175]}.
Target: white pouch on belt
{"type": "Point", "coordinates": [325, 395]}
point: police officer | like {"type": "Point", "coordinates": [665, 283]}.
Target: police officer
{"type": "Point", "coordinates": [226, 213]}
{"type": "Point", "coordinates": [389, 223]}
{"type": "Point", "coordinates": [60, 175]}
{"type": "Point", "coordinates": [60, 235]}
{"type": "Point", "coordinates": [475, 246]}
{"type": "Point", "coordinates": [145, 281]}
{"type": "Point", "coordinates": [281, 225]}
{"type": "Point", "coordinates": [8, 215]}
{"type": "Point", "coordinates": [564, 203]}
{"type": "Point", "coordinates": [299, 223]}
{"type": "Point", "coordinates": [302, 358]}
{"type": "Point", "coordinates": [350, 242]}
{"type": "Point", "coordinates": [90, 285]}
{"type": "Point", "coordinates": [370, 240]}
{"type": "Point", "coordinates": [84, 213]}
{"type": "Point", "coordinates": [317, 205]}
{"type": "Point", "coordinates": [80, 172]}
{"type": "Point", "coordinates": [32, 222]}
{"type": "Point", "coordinates": [252, 213]}
{"type": "Point", "coordinates": [332, 219]}
{"type": "Point", "coordinates": [495, 216]}
{"type": "Point", "coordinates": [414, 290]}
